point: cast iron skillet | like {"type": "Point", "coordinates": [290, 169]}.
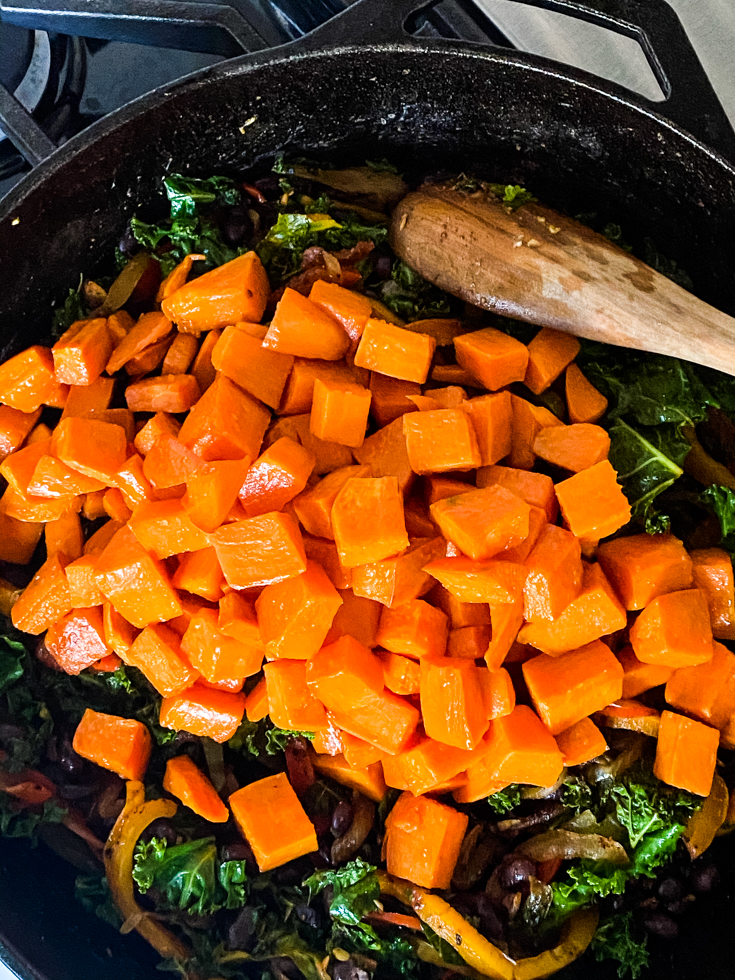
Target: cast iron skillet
{"type": "Point", "coordinates": [359, 88]}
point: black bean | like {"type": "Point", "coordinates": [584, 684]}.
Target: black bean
{"type": "Point", "coordinates": [676, 908]}
{"type": "Point", "coordinates": [325, 852]}
{"type": "Point", "coordinates": [127, 244]}
{"type": "Point", "coordinates": [243, 931]}
{"type": "Point", "coordinates": [161, 828]}
{"type": "Point", "coordinates": [703, 878]}
{"type": "Point", "coordinates": [342, 818]}
{"type": "Point", "coordinates": [74, 791]}
{"type": "Point", "coordinates": [69, 761]}
{"type": "Point", "coordinates": [309, 915]}
{"type": "Point", "coordinates": [661, 925]}
{"type": "Point", "coordinates": [515, 871]}
{"type": "Point", "coordinates": [383, 266]}
{"type": "Point", "coordinates": [238, 850]}
{"type": "Point", "coordinates": [670, 890]}
{"type": "Point", "coordinates": [237, 226]}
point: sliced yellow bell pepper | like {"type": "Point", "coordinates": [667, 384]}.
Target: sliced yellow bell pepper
{"type": "Point", "coordinates": [119, 853]}
{"type": "Point", "coordinates": [478, 952]}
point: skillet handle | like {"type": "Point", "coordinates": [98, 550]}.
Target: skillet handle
{"type": "Point", "coordinates": [690, 101]}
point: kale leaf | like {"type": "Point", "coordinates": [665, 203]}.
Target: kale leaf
{"type": "Point", "coordinates": [72, 309]}
{"type": "Point", "coordinates": [283, 247]}
{"type": "Point", "coordinates": [410, 296]}
{"type": "Point", "coordinates": [512, 194]}
{"type": "Point", "coordinates": [645, 808]}
{"type": "Point", "coordinates": [356, 890]}
{"type": "Point", "coordinates": [190, 876]}
{"type": "Point", "coordinates": [614, 940]}
{"type": "Point", "coordinates": [12, 661]}
{"type": "Point", "coordinates": [395, 955]}
{"type": "Point", "coordinates": [93, 891]}
{"type": "Point", "coordinates": [190, 227]}
{"type": "Point", "coordinates": [505, 799]}
{"type": "Point", "coordinates": [647, 461]}
{"type": "Point", "coordinates": [576, 794]}
{"type": "Point", "coordinates": [276, 739]}
{"type": "Point", "coordinates": [721, 501]}
{"type": "Point", "coordinates": [261, 738]}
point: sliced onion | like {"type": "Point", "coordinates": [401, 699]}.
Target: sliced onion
{"type": "Point", "coordinates": [565, 844]}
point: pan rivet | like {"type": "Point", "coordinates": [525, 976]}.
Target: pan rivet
{"type": "Point", "coordinates": [15, 221]}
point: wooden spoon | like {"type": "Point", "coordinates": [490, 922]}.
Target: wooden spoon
{"type": "Point", "coordinates": [537, 265]}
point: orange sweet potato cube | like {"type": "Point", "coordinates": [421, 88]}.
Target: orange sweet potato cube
{"type": "Point", "coordinates": [595, 612]}
{"type": "Point", "coordinates": [216, 655]}
{"type": "Point", "coordinates": [164, 528]}
{"type": "Point", "coordinates": [581, 743]}
{"type": "Point", "coordinates": [644, 566]}
{"type": "Point", "coordinates": [81, 353]}
{"type": "Point", "coordinates": [199, 572]}
{"type": "Point", "coordinates": [423, 840]}
{"type": "Point", "coordinates": [440, 441]}
{"type": "Point", "coordinates": [277, 476]}
{"type": "Point", "coordinates": [391, 350]}
{"type": "Point", "coordinates": [76, 641]}
{"type": "Point", "coordinates": [272, 820]}
{"type": "Point", "coordinates": [686, 753]}
{"type": "Point", "coordinates": [674, 630]}
{"type": "Point", "coordinates": [492, 421]}
{"type": "Point", "coordinates": [537, 489]}
{"type": "Point", "coordinates": [368, 521]}
{"type": "Point", "coordinates": [394, 581]}
{"type": "Point", "coordinates": [96, 449]}
{"type": "Point", "coordinates": [339, 412]}
{"type": "Point", "coordinates": [18, 539]}
{"type": "Point", "coordinates": [479, 581]}
{"type": "Point", "coordinates": [302, 328]}
{"type": "Point", "coordinates": [568, 688]}
{"type": "Point", "coordinates": [155, 429]}
{"type": "Point", "coordinates": [135, 583]}
{"type": "Point", "coordinates": [713, 574]}
{"type": "Point", "coordinates": [491, 356]}
{"type": "Point", "coordinates": [27, 380]}
{"type": "Point", "coordinates": [391, 398]}
{"type": "Point", "coordinates": [44, 600]}
{"type": "Point", "coordinates": [14, 427]}
{"type": "Point", "coordinates": [240, 355]}
{"type": "Point", "coordinates": [483, 523]}
{"type": "Point", "coordinates": [518, 749]}
{"type": "Point", "coordinates": [528, 421]}
{"type": "Point", "coordinates": [226, 423]}
{"type": "Point", "coordinates": [291, 704]}
{"type": "Point", "coordinates": [211, 491]}
{"type": "Point", "coordinates": [122, 745]}
{"type": "Point", "coordinates": [549, 353]}
{"type": "Point", "coordinates": [156, 652]}
{"type": "Point", "coordinates": [386, 454]}
{"type": "Point", "coordinates": [295, 615]}
{"type": "Point", "coordinates": [415, 628]}
{"type": "Point", "coordinates": [452, 701]}
{"type": "Point", "coordinates": [204, 711]}
{"type": "Point", "coordinates": [260, 550]}
{"type": "Point", "coordinates": [351, 309]}
{"type": "Point", "coordinates": [299, 390]}
{"type": "Point", "coordinates": [593, 503]}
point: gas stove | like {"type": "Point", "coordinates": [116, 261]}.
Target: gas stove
{"type": "Point", "coordinates": [68, 80]}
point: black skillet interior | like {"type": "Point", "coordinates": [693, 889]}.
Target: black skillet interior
{"type": "Point", "coordinates": [578, 144]}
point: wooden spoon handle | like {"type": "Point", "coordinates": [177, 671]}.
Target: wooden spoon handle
{"type": "Point", "coordinates": [537, 265]}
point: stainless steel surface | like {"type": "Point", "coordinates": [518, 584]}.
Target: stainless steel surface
{"type": "Point", "coordinates": [710, 25]}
